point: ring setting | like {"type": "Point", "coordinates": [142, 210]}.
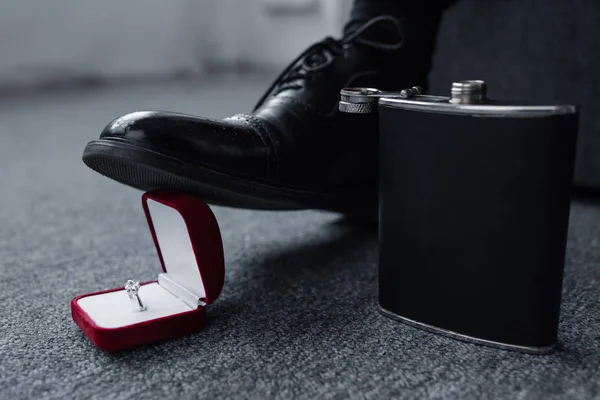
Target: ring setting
{"type": "Point", "coordinates": [132, 288]}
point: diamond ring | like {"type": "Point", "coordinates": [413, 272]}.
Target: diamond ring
{"type": "Point", "coordinates": [132, 287]}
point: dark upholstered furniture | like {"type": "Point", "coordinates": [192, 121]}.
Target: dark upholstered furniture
{"type": "Point", "coordinates": [539, 50]}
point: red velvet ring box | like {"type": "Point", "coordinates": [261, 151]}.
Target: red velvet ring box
{"type": "Point", "coordinates": [189, 246]}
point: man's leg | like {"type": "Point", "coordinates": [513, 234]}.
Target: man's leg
{"type": "Point", "coordinates": [295, 150]}
{"type": "Point", "coordinates": [420, 23]}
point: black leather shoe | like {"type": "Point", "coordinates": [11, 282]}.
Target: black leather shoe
{"type": "Point", "coordinates": [295, 151]}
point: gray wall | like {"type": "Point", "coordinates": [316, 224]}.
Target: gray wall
{"type": "Point", "coordinates": [43, 40]}
{"type": "Point", "coordinates": [269, 33]}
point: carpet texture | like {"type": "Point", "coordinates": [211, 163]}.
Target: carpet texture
{"type": "Point", "coordinates": [297, 317]}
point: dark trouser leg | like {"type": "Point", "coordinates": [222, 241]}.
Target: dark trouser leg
{"type": "Point", "coordinates": [420, 21]}
{"type": "Point", "coordinates": [398, 8]}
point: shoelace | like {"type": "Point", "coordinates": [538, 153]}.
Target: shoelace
{"type": "Point", "coordinates": [320, 55]}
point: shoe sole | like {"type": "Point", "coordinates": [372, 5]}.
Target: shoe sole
{"type": "Point", "coordinates": [147, 169]}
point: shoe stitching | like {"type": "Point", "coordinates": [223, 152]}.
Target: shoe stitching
{"type": "Point", "coordinates": [308, 107]}
{"type": "Point", "coordinates": [261, 125]}
{"type": "Point", "coordinates": [305, 106]}
{"type": "Point", "coordinates": [242, 119]}
{"type": "Point", "coordinates": [263, 132]}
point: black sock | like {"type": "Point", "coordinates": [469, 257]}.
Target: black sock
{"type": "Point", "coordinates": [420, 20]}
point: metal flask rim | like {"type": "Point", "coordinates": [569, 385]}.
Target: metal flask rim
{"type": "Point", "coordinates": [491, 108]}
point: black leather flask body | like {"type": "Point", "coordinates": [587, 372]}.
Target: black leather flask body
{"type": "Point", "coordinates": [474, 210]}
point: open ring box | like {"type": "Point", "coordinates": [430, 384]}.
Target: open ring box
{"type": "Point", "coordinates": [190, 249]}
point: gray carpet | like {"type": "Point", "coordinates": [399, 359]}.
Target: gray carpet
{"type": "Point", "coordinates": [297, 317]}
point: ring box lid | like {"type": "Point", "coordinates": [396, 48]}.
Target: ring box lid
{"type": "Point", "coordinates": [190, 250]}
{"type": "Point", "coordinates": [188, 243]}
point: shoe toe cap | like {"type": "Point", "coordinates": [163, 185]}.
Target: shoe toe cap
{"type": "Point", "coordinates": [137, 125]}
{"type": "Point", "coordinates": [228, 145]}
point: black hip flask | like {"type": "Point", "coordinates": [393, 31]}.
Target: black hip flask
{"type": "Point", "coordinates": [474, 209]}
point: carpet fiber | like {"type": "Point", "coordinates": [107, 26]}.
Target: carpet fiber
{"type": "Point", "coordinates": [297, 317]}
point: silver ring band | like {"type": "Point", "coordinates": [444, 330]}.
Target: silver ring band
{"type": "Point", "coordinates": [132, 288]}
